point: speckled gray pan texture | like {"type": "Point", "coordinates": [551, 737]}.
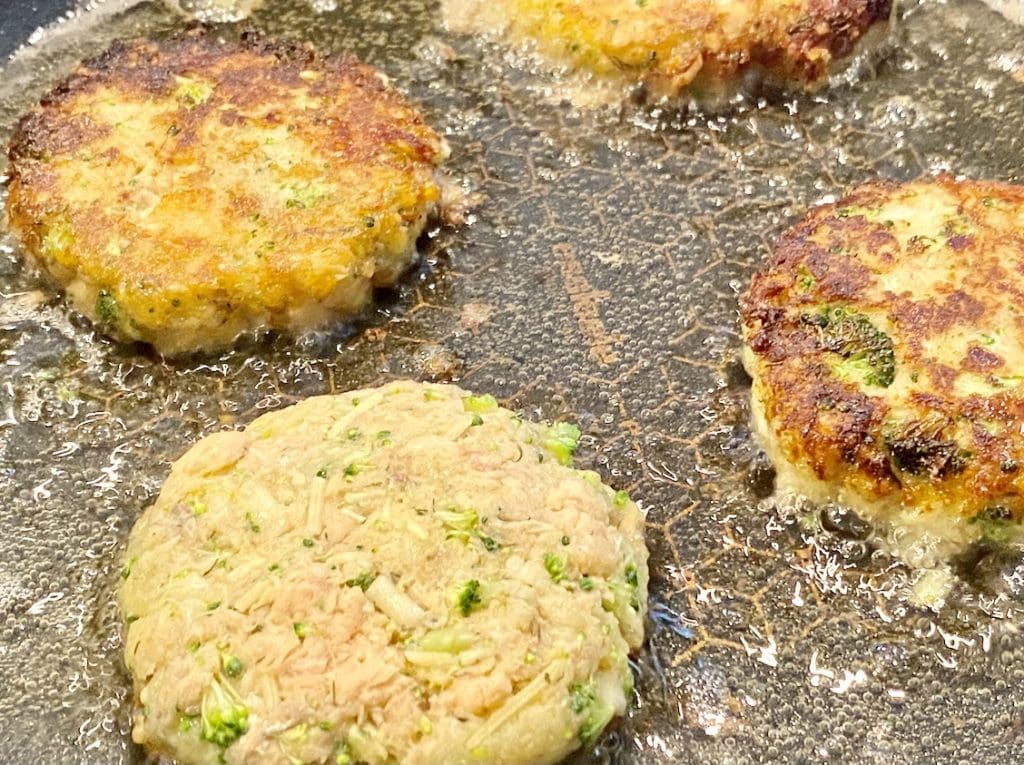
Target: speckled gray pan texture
{"type": "Point", "coordinates": [598, 280]}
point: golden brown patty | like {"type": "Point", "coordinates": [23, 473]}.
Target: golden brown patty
{"type": "Point", "coordinates": [886, 342]}
{"type": "Point", "coordinates": [669, 45]}
{"type": "Point", "coordinates": [188, 190]}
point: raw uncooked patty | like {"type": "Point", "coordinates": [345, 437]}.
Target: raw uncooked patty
{"type": "Point", "coordinates": [405, 574]}
{"type": "Point", "coordinates": [885, 338]}
{"type": "Point", "coordinates": [185, 191]}
{"type": "Point", "coordinates": [704, 46]}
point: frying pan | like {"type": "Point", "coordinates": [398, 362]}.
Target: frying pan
{"type": "Point", "coordinates": [597, 279]}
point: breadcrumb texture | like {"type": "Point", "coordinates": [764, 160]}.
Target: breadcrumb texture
{"type": "Point", "coordinates": [885, 339]}
{"type": "Point", "coordinates": [187, 190]}
{"type": "Point", "coordinates": [671, 46]}
{"type": "Point", "coordinates": [408, 574]}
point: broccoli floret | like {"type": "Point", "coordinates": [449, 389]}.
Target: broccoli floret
{"type": "Point", "coordinates": [621, 498]}
{"type": "Point", "coordinates": [343, 754]}
{"type": "Point", "coordinates": [459, 523]}
{"type": "Point", "coordinates": [632, 579]}
{"type": "Point", "coordinates": [304, 195]}
{"type": "Point", "coordinates": [224, 716]}
{"type": "Point", "coordinates": [362, 581]}
{"type": "Point", "coordinates": [126, 571]}
{"type": "Point", "coordinates": [232, 666]}
{"type": "Point", "coordinates": [866, 351]}
{"type": "Point", "coordinates": [489, 543]}
{"type": "Point", "coordinates": [480, 404]}
{"type": "Point", "coordinates": [596, 712]}
{"type": "Point", "coordinates": [555, 566]}
{"type": "Point", "coordinates": [193, 92]}
{"type": "Point", "coordinates": [469, 597]}
{"type": "Point", "coordinates": [185, 722]}
{"type": "Point", "coordinates": [631, 576]}
{"type": "Point", "coordinates": [106, 307]}
{"type": "Point", "coordinates": [995, 524]}
{"type": "Point", "coordinates": [561, 440]}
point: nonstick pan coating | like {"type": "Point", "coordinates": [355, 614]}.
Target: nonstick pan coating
{"type": "Point", "coordinates": [598, 280]}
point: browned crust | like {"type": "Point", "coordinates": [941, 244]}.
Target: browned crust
{"type": "Point", "coordinates": [147, 68]}
{"type": "Point", "coordinates": [834, 26]}
{"type": "Point", "coordinates": [353, 126]}
{"type": "Point", "coordinates": [962, 453]}
{"type": "Point", "coordinates": [806, 50]}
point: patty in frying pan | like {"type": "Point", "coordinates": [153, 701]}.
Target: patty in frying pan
{"type": "Point", "coordinates": [185, 191]}
{"type": "Point", "coordinates": [885, 339]}
{"type": "Point", "coordinates": [403, 574]}
{"type": "Point", "coordinates": [703, 47]}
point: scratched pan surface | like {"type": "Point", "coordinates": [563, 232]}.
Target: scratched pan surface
{"type": "Point", "coordinates": [597, 281]}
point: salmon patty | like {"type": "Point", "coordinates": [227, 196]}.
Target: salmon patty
{"type": "Point", "coordinates": [403, 574]}
{"type": "Point", "coordinates": [885, 339]}
{"type": "Point", "coordinates": [702, 47]}
{"type": "Point", "coordinates": [185, 191]}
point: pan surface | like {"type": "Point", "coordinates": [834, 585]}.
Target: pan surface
{"type": "Point", "coordinates": [597, 280]}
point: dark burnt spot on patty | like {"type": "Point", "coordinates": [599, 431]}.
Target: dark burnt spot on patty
{"type": "Point", "coordinates": [979, 359]}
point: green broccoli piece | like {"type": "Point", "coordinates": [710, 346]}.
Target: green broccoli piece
{"type": "Point", "coordinates": [480, 404]}
{"type": "Point", "coordinates": [596, 713]}
{"type": "Point", "coordinates": [126, 571]}
{"type": "Point", "coordinates": [633, 582]}
{"type": "Point", "coordinates": [232, 666]}
{"type": "Point", "coordinates": [866, 352]}
{"type": "Point", "coordinates": [561, 440]}
{"type": "Point", "coordinates": [995, 524]}
{"type": "Point", "coordinates": [621, 499]}
{"type": "Point", "coordinates": [555, 566]}
{"type": "Point", "coordinates": [223, 716]}
{"type": "Point", "coordinates": [362, 581]}
{"type": "Point", "coordinates": [343, 754]}
{"type": "Point", "coordinates": [106, 307]}
{"type": "Point", "coordinates": [459, 523]}
{"type": "Point", "coordinates": [469, 597]}
{"type": "Point", "coordinates": [631, 576]}
{"type": "Point", "coordinates": [193, 92]}
{"type": "Point", "coordinates": [304, 195]}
